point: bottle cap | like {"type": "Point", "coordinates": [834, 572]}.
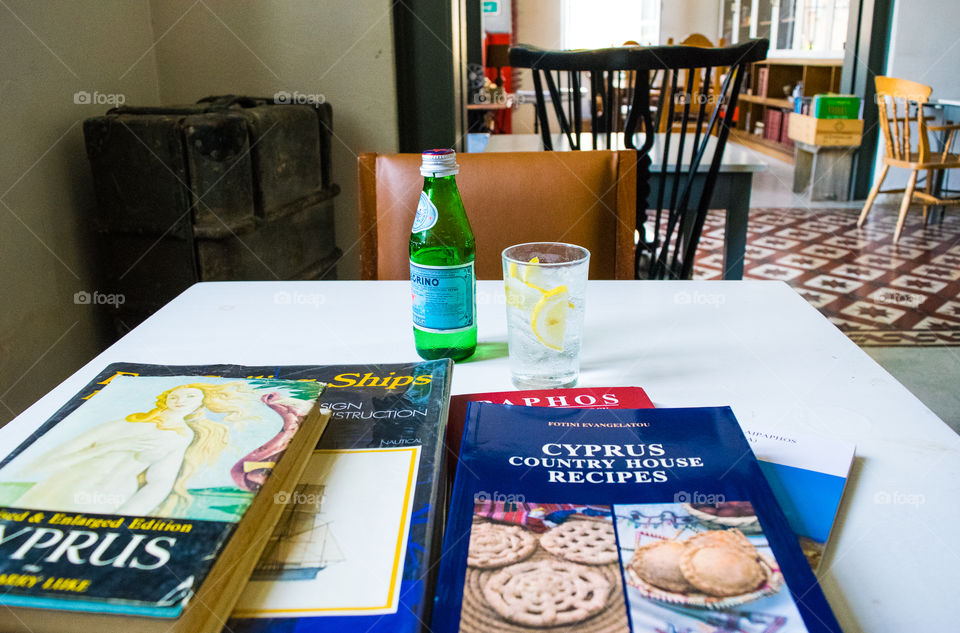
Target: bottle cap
{"type": "Point", "coordinates": [439, 162]}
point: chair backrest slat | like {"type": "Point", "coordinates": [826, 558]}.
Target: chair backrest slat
{"type": "Point", "coordinates": [892, 94]}
{"type": "Point", "coordinates": [723, 132]}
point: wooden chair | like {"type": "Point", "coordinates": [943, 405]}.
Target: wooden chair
{"type": "Point", "coordinates": [667, 248]}
{"type": "Point", "coordinates": [901, 108]}
{"type": "Point", "coordinates": [680, 77]}
{"type": "Point", "coordinates": [585, 198]}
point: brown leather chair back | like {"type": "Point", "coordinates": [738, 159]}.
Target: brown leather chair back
{"type": "Point", "coordinates": [584, 198]}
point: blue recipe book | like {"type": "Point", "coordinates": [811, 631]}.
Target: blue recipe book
{"type": "Point", "coordinates": [641, 520]}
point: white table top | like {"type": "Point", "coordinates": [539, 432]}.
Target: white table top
{"type": "Point", "coordinates": [736, 157]}
{"type": "Point", "coordinates": [757, 346]}
{"type": "Point", "coordinates": [944, 102]}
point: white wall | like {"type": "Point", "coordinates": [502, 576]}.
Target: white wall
{"type": "Point", "coordinates": [539, 23]}
{"type": "Point", "coordinates": [49, 52]}
{"type": "Point", "coordinates": [680, 18]}
{"type": "Point", "coordinates": [924, 44]}
{"type": "Point", "coordinates": [151, 52]}
{"type": "Point", "coordinates": [342, 49]}
{"type": "Point", "coordinates": [500, 22]}
{"type": "Point", "coordinates": [923, 48]}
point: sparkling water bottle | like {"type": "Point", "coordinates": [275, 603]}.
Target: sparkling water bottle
{"type": "Point", "coordinates": [442, 275]}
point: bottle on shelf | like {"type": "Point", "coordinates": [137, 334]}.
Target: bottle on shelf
{"type": "Point", "coordinates": [442, 274]}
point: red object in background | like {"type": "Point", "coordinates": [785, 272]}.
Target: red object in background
{"type": "Point", "coordinates": [502, 118]}
{"type": "Point", "coordinates": [784, 129]}
{"type": "Point", "coordinates": [577, 397]}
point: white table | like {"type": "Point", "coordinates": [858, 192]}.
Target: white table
{"type": "Point", "coordinates": [731, 191]}
{"type": "Point", "coordinates": [736, 157]}
{"type": "Point", "coordinates": [756, 346]}
{"type": "Point", "coordinates": [944, 102]}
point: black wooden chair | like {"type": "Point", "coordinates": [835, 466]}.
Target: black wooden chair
{"type": "Point", "coordinates": [700, 111]}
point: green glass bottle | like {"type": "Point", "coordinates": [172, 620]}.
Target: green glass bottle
{"type": "Point", "coordinates": [442, 276]}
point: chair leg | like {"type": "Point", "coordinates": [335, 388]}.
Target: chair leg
{"type": "Point", "coordinates": [929, 190]}
{"type": "Point", "coordinates": [905, 204]}
{"type": "Point", "coordinates": [873, 195]}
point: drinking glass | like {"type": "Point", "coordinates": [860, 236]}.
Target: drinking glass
{"type": "Point", "coordinates": [546, 286]}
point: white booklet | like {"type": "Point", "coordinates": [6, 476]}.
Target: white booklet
{"type": "Point", "coordinates": [807, 474]}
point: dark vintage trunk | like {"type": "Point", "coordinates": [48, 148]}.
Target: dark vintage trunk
{"type": "Point", "coordinates": [229, 188]}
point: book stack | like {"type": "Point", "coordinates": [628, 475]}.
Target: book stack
{"type": "Point", "coordinates": [640, 519]}
{"type": "Point", "coordinates": [341, 534]}
{"type": "Point", "coordinates": [313, 498]}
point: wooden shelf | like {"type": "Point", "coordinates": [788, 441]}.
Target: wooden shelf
{"type": "Point", "coordinates": [770, 101]}
{"type": "Point", "coordinates": [817, 75]}
{"type": "Point", "coordinates": [801, 61]}
{"type": "Point", "coordinates": [762, 145]}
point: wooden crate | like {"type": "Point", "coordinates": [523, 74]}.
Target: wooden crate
{"type": "Point", "coordinates": [825, 132]}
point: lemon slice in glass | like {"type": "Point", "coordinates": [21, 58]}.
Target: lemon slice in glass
{"type": "Point", "coordinates": [531, 274]}
{"type": "Point", "coordinates": [549, 318]}
{"type": "Point", "coordinates": [522, 296]}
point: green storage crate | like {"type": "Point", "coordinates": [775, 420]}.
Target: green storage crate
{"type": "Point", "coordinates": [828, 106]}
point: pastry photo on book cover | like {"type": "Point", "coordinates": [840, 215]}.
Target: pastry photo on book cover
{"type": "Point", "coordinates": [533, 566]}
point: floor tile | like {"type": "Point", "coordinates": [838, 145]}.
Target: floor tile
{"type": "Point", "coordinates": [817, 298]}
{"type": "Point", "coordinates": [911, 282]}
{"type": "Point", "coordinates": [945, 273]}
{"type": "Point", "coordinates": [826, 251]}
{"type": "Point", "coordinates": [884, 261]}
{"type": "Point", "coordinates": [776, 242]}
{"type": "Point", "coordinates": [857, 271]}
{"type": "Point", "coordinates": [897, 298]}
{"type": "Point", "coordinates": [802, 261]}
{"type": "Point", "coordinates": [872, 312]}
{"type": "Point", "coordinates": [836, 284]}
{"type": "Point", "coordinates": [775, 271]}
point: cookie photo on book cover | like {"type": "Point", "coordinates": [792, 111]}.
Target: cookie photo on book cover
{"type": "Point", "coordinates": [681, 568]}
{"type": "Point", "coordinates": [542, 567]}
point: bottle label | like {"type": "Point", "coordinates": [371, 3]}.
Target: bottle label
{"type": "Point", "coordinates": [426, 214]}
{"type": "Point", "coordinates": [443, 296]}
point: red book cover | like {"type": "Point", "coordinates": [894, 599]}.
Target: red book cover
{"type": "Point", "coordinates": [579, 397]}
{"type": "Point", "coordinates": [784, 127]}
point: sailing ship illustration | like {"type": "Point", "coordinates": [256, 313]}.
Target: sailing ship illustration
{"type": "Point", "coordinates": [302, 544]}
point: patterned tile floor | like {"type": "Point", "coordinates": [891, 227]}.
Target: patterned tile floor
{"type": "Point", "coordinates": [876, 292]}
